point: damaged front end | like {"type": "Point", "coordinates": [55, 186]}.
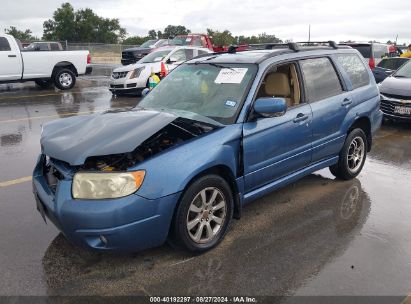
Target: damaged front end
{"type": "Point", "coordinates": [174, 134]}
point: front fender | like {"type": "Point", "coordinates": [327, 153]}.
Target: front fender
{"type": "Point", "coordinates": [170, 171]}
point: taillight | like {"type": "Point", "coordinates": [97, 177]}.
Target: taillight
{"type": "Point", "coordinates": [371, 63]}
{"type": "Point", "coordinates": [88, 58]}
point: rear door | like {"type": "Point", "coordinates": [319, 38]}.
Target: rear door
{"type": "Point", "coordinates": [10, 60]}
{"type": "Point", "coordinates": [330, 102]}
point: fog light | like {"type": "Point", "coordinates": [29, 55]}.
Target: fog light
{"type": "Point", "coordinates": [103, 239]}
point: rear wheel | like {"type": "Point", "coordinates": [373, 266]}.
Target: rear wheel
{"type": "Point", "coordinates": [352, 156]}
{"type": "Point", "coordinates": [64, 79]}
{"type": "Point", "coordinates": [203, 215]}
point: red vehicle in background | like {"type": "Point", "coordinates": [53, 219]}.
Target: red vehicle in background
{"type": "Point", "coordinates": [131, 56]}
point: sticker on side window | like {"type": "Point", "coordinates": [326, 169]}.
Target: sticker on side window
{"type": "Point", "coordinates": [234, 75]}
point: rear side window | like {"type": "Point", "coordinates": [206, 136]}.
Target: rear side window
{"type": "Point", "coordinates": [4, 45]}
{"type": "Point", "coordinates": [321, 80]}
{"type": "Point", "coordinates": [54, 47]}
{"type": "Point", "coordinates": [355, 69]}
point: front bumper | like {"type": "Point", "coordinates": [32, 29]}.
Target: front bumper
{"type": "Point", "coordinates": [127, 224]}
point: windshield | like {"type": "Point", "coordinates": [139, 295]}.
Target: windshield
{"type": "Point", "coordinates": [216, 92]}
{"type": "Point", "coordinates": [155, 56]}
{"type": "Point", "coordinates": [365, 50]}
{"type": "Point", "coordinates": [181, 40]}
{"type": "Point", "coordinates": [404, 71]}
{"type": "Point", "coordinates": [148, 43]}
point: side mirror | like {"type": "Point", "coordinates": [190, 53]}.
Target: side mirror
{"type": "Point", "coordinates": [269, 106]}
{"type": "Point", "coordinates": [172, 60]}
{"type": "Point", "coordinates": [145, 92]}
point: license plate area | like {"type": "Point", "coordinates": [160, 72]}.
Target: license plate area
{"type": "Point", "coordinates": [402, 110]}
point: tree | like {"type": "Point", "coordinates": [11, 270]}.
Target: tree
{"type": "Point", "coordinates": [224, 38]}
{"type": "Point", "coordinates": [152, 34]}
{"type": "Point", "coordinates": [261, 38]}
{"type": "Point", "coordinates": [174, 30]}
{"type": "Point", "coordinates": [21, 35]}
{"type": "Point", "coordinates": [82, 26]}
{"type": "Point", "coordinates": [135, 40]}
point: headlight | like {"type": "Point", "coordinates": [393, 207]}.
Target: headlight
{"type": "Point", "coordinates": [106, 185]}
{"type": "Point", "coordinates": [135, 73]}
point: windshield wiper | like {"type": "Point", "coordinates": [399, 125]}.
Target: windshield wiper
{"type": "Point", "coordinates": [400, 76]}
{"type": "Point", "coordinates": [213, 64]}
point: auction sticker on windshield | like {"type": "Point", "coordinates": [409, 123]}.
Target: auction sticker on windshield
{"type": "Point", "coordinates": [232, 75]}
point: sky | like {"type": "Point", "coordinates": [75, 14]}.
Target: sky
{"type": "Point", "coordinates": [358, 20]}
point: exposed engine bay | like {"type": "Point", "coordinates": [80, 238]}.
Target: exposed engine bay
{"type": "Point", "coordinates": [175, 133]}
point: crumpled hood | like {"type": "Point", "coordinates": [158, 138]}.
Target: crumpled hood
{"type": "Point", "coordinates": [396, 86]}
{"type": "Point", "coordinates": [75, 139]}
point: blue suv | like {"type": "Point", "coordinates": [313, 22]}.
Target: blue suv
{"type": "Point", "coordinates": [218, 132]}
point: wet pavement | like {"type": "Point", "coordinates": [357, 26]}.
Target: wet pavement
{"type": "Point", "coordinates": [318, 236]}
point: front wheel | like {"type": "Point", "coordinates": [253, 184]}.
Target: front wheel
{"type": "Point", "coordinates": [204, 214]}
{"type": "Point", "coordinates": [64, 79]}
{"type": "Point", "coordinates": [352, 156]}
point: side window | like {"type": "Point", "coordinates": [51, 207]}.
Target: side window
{"type": "Point", "coordinates": [179, 56]}
{"type": "Point", "coordinates": [200, 52]}
{"type": "Point", "coordinates": [4, 45]}
{"type": "Point", "coordinates": [189, 54]}
{"type": "Point", "coordinates": [321, 80]}
{"type": "Point", "coordinates": [282, 81]}
{"type": "Point", "coordinates": [43, 47]}
{"type": "Point", "coordinates": [54, 47]}
{"type": "Point", "coordinates": [355, 69]}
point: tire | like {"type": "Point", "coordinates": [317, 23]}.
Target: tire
{"type": "Point", "coordinates": [209, 219]}
{"type": "Point", "coordinates": [352, 156]}
{"type": "Point", "coordinates": [64, 79]}
{"type": "Point", "coordinates": [44, 83]}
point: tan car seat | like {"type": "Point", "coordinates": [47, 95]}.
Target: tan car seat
{"type": "Point", "coordinates": [278, 85]}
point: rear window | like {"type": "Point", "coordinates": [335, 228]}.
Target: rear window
{"type": "Point", "coordinates": [321, 80]}
{"type": "Point", "coordinates": [392, 63]}
{"type": "Point", "coordinates": [355, 68]}
{"type": "Point", "coordinates": [4, 44]}
{"type": "Point", "coordinates": [380, 50]}
{"type": "Point", "coordinates": [365, 50]}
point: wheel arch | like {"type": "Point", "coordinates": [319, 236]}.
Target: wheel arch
{"type": "Point", "coordinates": [226, 173]}
{"type": "Point", "coordinates": [364, 124]}
{"type": "Point", "coordinates": [65, 64]}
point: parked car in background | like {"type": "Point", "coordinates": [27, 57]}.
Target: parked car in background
{"type": "Point", "coordinates": [44, 68]}
{"type": "Point", "coordinates": [373, 52]}
{"type": "Point", "coordinates": [396, 94]}
{"type": "Point", "coordinates": [133, 78]}
{"type": "Point", "coordinates": [44, 46]}
{"type": "Point", "coordinates": [132, 55]}
{"type": "Point", "coordinates": [218, 132]}
{"type": "Point", "coordinates": [387, 66]}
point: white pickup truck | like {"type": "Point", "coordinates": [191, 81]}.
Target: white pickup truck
{"type": "Point", "coordinates": [45, 68]}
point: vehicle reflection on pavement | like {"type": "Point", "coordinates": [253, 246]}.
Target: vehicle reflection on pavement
{"type": "Point", "coordinates": [283, 239]}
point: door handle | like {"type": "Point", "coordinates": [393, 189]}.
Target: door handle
{"type": "Point", "coordinates": [11, 56]}
{"type": "Point", "coordinates": [346, 102]}
{"type": "Point", "coordinates": [300, 117]}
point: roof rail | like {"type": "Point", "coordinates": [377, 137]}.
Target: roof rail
{"type": "Point", "coordinates": [330, 43]}
{"type": "Point", "coordinates": [269, 46]}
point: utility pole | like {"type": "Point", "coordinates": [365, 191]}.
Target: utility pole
{"type": "Point", "coordinates": [396, 38]}
{"type": "Point", "coordinates": [309, 32]}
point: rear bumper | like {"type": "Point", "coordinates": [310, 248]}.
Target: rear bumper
{"type": "Point", "coordinates": [126, 224]}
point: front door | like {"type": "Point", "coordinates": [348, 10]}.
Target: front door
{"type": "Point", "coordinates": [10, 61]}
{"type": "Point", "coordinates": [277, 146]}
